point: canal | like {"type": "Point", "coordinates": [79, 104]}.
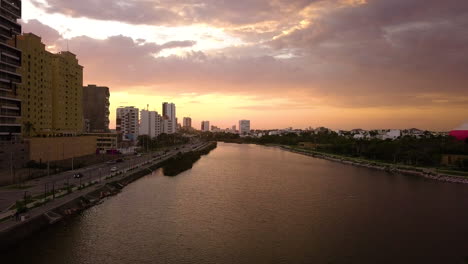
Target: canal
{"type": "Point", "coordinates": [255, 204]}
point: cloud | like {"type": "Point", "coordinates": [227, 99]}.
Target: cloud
{"type": "Point", "coordinates": [464, 126]}
{"type": "Point", "coordinates": [351, 54]}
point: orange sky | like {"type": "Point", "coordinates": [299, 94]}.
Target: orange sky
{"type": "Point", "coordinates": [342, 64]}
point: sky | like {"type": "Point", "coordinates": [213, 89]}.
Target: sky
{"type": "Point", "coordinates": [341, 64]}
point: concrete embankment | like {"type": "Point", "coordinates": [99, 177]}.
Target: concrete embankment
{"type": "Point", "coordinates": [419, 172]}
{"type": "Point", "coordinates": [12, 232]}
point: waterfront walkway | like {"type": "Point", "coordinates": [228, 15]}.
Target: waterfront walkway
{"type": "Point", "coordinates": [7, 219]}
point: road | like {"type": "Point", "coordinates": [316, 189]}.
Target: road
{"type": "Point", "coordinates": [9, 195]}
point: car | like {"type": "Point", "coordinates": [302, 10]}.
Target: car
{"type": "Point", "coordinates": [78, 175]}
{"type": "Point", "coordinates": [119, 160]}
{"type": "Point", "coordinates": [138, 155]}
{"type": "Point", "coordinates": [113, 169]}
{"type": "Point", "coordinates": [110, 162]}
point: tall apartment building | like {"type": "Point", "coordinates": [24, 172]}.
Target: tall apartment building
{"type": "Point", "coordinates": [169, 118]}
{"type": "Point", "coordinates": [205, 126]}
{"type": "Point", "coordinates": [187, 122]}
{"type": "Point", "coordinates": [52, 89]}
{"type": "Point", "coordinates": [244, 127]}
{"type": "Point", "coordinates": [68, 94]}
{"type": "Point", "coordinates": [36, 91]}
{"type": "Point", "coordinates": [96, 108]}
{"type": "Point", "coordinates": [127, 123]}
{"type": "Point", "coordinates": [10, 60]}
{"type": "Point", "coordinates": [150, 123]}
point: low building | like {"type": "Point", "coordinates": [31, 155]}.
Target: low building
{"type": "Point", "coordinates": [61, 148]}
{"type": "Point", "coordinates": [105, 142]}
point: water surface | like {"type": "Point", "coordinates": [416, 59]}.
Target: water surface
{"type": "Point", "coordinates": [254, 204]}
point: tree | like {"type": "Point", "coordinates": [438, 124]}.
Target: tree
{"type": "Point", "coordinates": [28, 128]}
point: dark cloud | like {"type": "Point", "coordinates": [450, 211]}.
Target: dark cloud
{"type": "Point", "coordinates": [386, 53]}
{"type": "Point", "coordinates": [170, 12]}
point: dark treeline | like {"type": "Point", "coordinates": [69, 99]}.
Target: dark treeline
{"type": "Point", "coordinates": [184, 161]}
{"type": "Point", "coordinates": [164, 140]}
{"type": "Point", "coordinates": [424, 151]}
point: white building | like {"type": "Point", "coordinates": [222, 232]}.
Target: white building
{"type": "Point", "coordinates": [150, 123]}
{"type": "Point", "coordinates": [391, 134]}
{"type": "Point", "coordinates": [169, 114]}
{"type": "Point", "coordinates": [205, 126]}
{"type": "Point", "coordinates": [244, 127]}
{"type": "Point", "coordinates": [187, 122]}
{"type": "Point", "coordinates": [127, 123]}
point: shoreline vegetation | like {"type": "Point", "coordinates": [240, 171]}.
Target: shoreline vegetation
{"type": "Point", "coordinates": [428, 173]}
{"type": "Point", "coordinates": [418, 156]}
{"type": "Point", "coordinates": [184, 161]}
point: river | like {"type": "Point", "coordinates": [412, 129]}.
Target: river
{"type": "Point", "coordinates": [255, 204]}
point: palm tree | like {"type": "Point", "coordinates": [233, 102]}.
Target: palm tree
{"type": "Point", "coordinates": [28, 128]}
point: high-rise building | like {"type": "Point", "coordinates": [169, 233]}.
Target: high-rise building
{"type": "Point", "coordinates": [67, 94]}
{"type": "Point", "coordinates": [127, 123]}
{"type": "Point", "coordinates": [187, 122]}
{"type": "Point", "coordinates": [36, 91]}
{"type": "Point", "coordinates": [205, 126]}
{"type": "Point", "coordinates": [150, 123]}
{"type": "Point", "coordinates": [10, 104]}
{"type": "Point", "coordinates": [96, 108]}
{"type": "Point", "coordinates": [244, 127]}
{"type": "Point", "coordinates": [169, 117]}
{"type": "Point", "coordinates": [52, 89]}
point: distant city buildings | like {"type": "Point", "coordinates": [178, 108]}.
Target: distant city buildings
{"type": "Point", "coordinates": [169, 118]}
{"type": "Point", "coordinates": [205, 126]}
{"type": "Point", "coordinates": [96, 108]}
{"type": "Point", "coordinates": [127, 123]}
{"type": "Point", "coordinates": [244, 127]}
{"type": "Point", "coordinates": [150, 123]}
{"type": "Point", "coordinates": [187, 122]}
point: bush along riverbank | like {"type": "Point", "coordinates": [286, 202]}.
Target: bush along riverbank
{"type": "Point", "coordinates": [184, 161]}
{"type": "Point", "coordinates": [392, 168]}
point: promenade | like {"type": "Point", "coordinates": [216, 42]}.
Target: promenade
{"type": "Point", "coordinates": [89, 184]}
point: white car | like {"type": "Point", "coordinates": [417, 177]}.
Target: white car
{"type": "Point", "coordinates": [113, 169]}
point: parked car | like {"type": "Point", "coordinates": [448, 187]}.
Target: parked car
{"type": "Point", "coordinates": [113, 169]}
{"type": "Point", "coordinates": [111, 162]}
{"type": "Point", "coordinates": [119, 160]}
{"type": "Point", "coordinates": [78, 175]}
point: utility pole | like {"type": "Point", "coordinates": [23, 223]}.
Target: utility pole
{"type": "Point", "coordinates": [11, 168]}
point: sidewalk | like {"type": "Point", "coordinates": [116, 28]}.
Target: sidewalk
{"type": "Point", "coordinates": [98, 183]}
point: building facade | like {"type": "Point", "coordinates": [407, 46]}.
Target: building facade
{"type": "Point", "coordinates": [127, 123]}
{"type": "Point", "coordinates": [150, 123]}
{"type": "Point", "coordinates": [187, 122]}
{"type": "Point", "coordinates": [96, 108]}
{"type": "Point", "coordinates": [52, 90]}
{"type": "Point", "coordinates": [205, 126]}
{"type": "Point", "coordinates": [67, 94]}
{"type": "Point", "coordinates": [244, 127]}
{"type": "Point", "coordinates": [36, 91]}
{"type": "Point", "coordinates": [10, 60]}
{"type": "Point", "coordinates": [169, 117]}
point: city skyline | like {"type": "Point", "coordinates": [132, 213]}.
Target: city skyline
{"type": "Point", "coordinates": [279, 63]}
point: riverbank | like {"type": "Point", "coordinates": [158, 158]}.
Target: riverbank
{"type": "Point", "coordinates": [14, 230]}
{"type": "Point", "coordinates": [392, 168]}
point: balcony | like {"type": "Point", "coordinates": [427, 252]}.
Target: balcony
{"type": "Point", "coordinates": [7, 75]}
{"type": "Point", "coordinates": [13, 7]}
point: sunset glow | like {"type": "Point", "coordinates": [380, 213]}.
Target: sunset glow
{"type": "Point", "coordinates": [338, 63]}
